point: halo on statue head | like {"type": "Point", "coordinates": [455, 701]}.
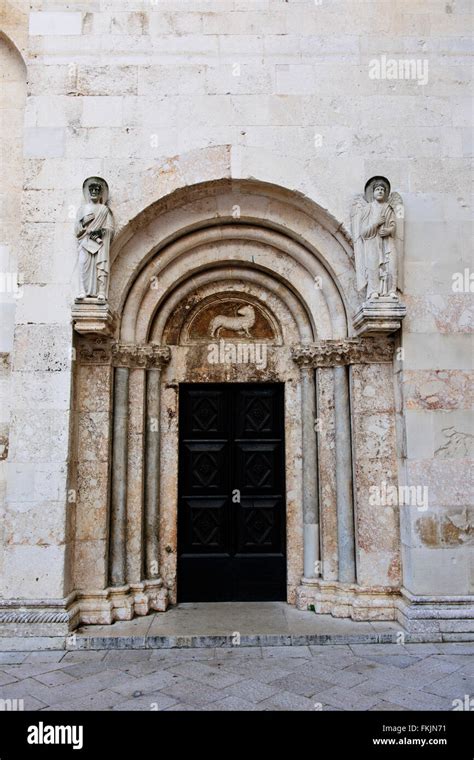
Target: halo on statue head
{"type": "Point", "coordinates": [104, 188]}
{"type": "Point", "coordinates": [372, 184]}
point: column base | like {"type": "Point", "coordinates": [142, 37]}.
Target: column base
{"type": "Point", "coordinates": [122, 603]}
{"type": "Point", "coordinates": [343, 600]}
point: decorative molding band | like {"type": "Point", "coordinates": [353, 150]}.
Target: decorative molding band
{"type": "Point", "coordinates": [147, 356]}
{"type": "Point", "coordinates": [37, 617]}
{"type": "Point", "coordinates": [101, 350]}
{"type": "Point", "coordinates": [15, 616]}
{"type": "Point", "coordinates": [336, 353]}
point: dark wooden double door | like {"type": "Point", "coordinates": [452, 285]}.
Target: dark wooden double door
{"type": "Point", "coordinates": [231, 508]}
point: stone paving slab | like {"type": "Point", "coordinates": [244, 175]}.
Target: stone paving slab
{"type": "Point", "coordinates": [252, 690]}
{"type": "Point", "coordinates": [195, 693]}
{"type": "Point", "coordinates": [273, 678]}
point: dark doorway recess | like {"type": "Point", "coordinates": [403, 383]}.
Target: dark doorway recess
{"type": "Point", "coordinates": [231, 506]}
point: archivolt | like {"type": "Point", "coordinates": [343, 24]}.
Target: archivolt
{"type": "Point", "coordinates": [273, 242]}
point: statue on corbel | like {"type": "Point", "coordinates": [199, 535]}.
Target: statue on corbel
{"type": "Point", "coordinates": [377, 227]}
{"type": "Point", "coordinates": [94, 231]}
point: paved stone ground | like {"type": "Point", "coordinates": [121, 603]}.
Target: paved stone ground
{"type": "Point", "coordinates": [346, 677]}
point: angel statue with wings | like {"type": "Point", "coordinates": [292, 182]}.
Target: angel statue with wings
{"type": "Point", "coordinates": [377, 233]}
{"type": "Point", "coordinates": [94, 231]}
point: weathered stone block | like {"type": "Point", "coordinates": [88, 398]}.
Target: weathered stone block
{"type": "Point", "coordinates": [44, 142]}
{"type": "Point", "coordinates": [102, 111]}
{"type": "Point", "coordinates": [33, 572]}
{"type": "Point", "coordinates": [107, 80]}
{"type": "Point", "coordinates": [45, 348]}
{"type": "Point", "coordinates": [55, 23]}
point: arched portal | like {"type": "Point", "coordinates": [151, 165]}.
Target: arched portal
{"type": "Point", "coordinates": [228, 283]}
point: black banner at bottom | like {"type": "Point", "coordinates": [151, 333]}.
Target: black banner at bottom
{"type": "Point", "coordinates": [378, 734]}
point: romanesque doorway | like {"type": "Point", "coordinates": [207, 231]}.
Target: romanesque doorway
{"type": "Point", "coordinates": [231, 505]}
{"type": "Point", "coordinates": [199, 299]}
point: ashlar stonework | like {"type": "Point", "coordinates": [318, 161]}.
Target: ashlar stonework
{"type": "Point", "coordinates": [184, 206]}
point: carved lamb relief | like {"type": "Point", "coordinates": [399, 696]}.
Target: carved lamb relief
{"type": "Point", "coordinates": [244, 320]}
{"type": "Point", "coordinates": [223, 316]}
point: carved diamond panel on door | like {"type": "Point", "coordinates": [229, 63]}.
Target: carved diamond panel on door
{"type": "Point", "coordinates": [231, 510]}
{"type": "Point", "coordinates": [260, 525]}
{"type": "Point", "coordinates": [203, 412]}
{"type": "Point", "coordinates": [204, 465]}
{"type": "Point", "coordinates": [258, 465]}
{"type": "Point", "coordinates": [206, 524]}
{"type": "Point", "coordinates": [257, 415]}
{"type": "Point", "coordinates": [204, 415]}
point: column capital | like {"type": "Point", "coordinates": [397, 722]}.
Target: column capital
{"type": "Point", "coordinates": [336, 353]}
{"type": "Point", "coordinates": [146, 356]}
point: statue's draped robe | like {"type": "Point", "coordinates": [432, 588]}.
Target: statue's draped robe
{"type": "Point", "coordinates": [94, 266]}
{"type": "Point", "coordinates": [379, 252]}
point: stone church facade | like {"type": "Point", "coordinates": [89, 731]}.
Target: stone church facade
{"type": "Point", "coordinates": [236, 345]}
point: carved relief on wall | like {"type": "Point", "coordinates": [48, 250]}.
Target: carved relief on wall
{"type": "Point", "coordinates": [230, 316]}
{"type": "Point", "coordinates": [242, 322]}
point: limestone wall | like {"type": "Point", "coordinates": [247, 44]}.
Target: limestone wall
{"type": "Point", "coordinates": [121, 88]}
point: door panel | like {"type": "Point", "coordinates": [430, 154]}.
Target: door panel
{"type": "Point", "coordinates": [204, 467]}
{"type": "Point", "coordinates": [258, 470]}
{"type": "Point", "coordinates": [231, 508]}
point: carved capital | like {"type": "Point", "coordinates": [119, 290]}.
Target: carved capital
{"type": "Point", "coordinates": [336, 353]}
{"type": "Point", "coordinates": [94, 350]}
{"type": "Point", "coordinates": [146, 356]}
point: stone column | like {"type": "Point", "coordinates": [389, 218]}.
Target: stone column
{"type": "Point", "coordinates": [311, 553]}
{"type": "Point", "coordinates": [152, 462]}
{"type": "Point", "coordinates": [337, 355]}
{"type": "Point", "coordinates": [327, 468]}
{"type": "Point", "coordinates": [344, 497]}
{"type": "Point", "coordinates": [118, 496]}
{"type": "Point", "coordinates": [136, 474]}
{"type": "Point", "coordinates": [150, 358]}
{"type": "Point", "coordinates": [152, 481]}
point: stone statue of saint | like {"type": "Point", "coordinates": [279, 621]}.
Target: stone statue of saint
{"type": "Point", "coordinates": [377, 234]}
{"type": "Point", "coordinates": [94, 230]}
